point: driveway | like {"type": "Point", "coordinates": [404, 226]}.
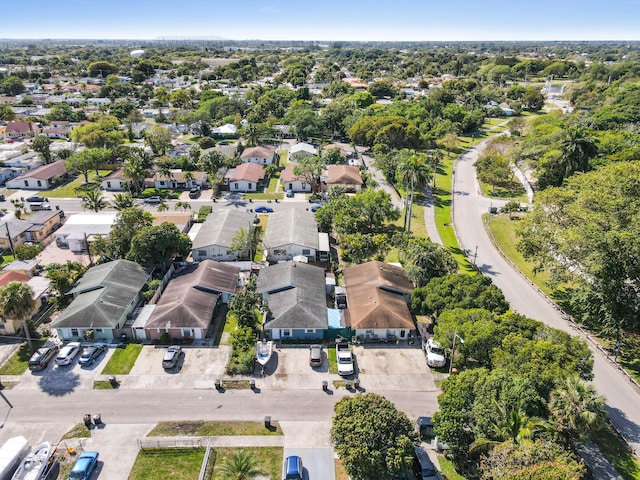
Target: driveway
{"type": "Point", "coordinates": [317, 462]}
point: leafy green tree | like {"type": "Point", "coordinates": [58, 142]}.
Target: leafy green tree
{"type": "Point", "coordinates": [158, 139]}
{"type": "Point", "coordinates": [12, 86]}
{"type": "Point", "coordinates": [577, 411]}
{"type": "Point", "coordinates": [242, 243]}
{"type": "Point", "coordinates": [6, 113]}
{"type": "Point", "coordinates": [135, 167]}
{"type": "Point", "coordinates": [156, 246]}
{"type": "Point", "coordinates": [17, 303]}
{"type": "Point", "coordinates": [240, 465]}
{"type": "Point", "coordinates": [63, 276]}
{"type": "Point", "coordinates": [366, 212]}
{"type": "Point", "coordinates": [424, 260]}
{"type": "Point", "coordinates": [413, 172]}
{"type": "Point", "coordinates": [182, 206]}
{"type": "Point", "coordinates": [532, 100]}
{"type": "Point", "coordinates": [310, 168]}
{"type": "Point", "coordinates": [41, 144]}
{"type": "Point", "coordinates": [26, 252]}
{"type": "Point", "coordinates": [128, 222]}
{"type": "Point", "coordinates": [371, 436]}
{"type": "Point", "coordinates": [104, 132]}
{"type": "Point", "coordinates": [122, 109]}
{"type": "Point", "coordinates": [458, 291]}
{"type": "Point", "coordinates": [102, 69]}
{"type": "Point", "coordinates": [86, 160]}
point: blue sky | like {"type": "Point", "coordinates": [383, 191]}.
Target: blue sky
{"type": "Point", "coordinates": [324, 20]}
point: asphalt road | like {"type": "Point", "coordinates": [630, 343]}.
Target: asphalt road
{"type": "Point", "coordinates": [622, 398]}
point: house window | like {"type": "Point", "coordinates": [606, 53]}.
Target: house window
{"type": "Point", "coordinates": [309, 330]}
{"type": "Point", "coordinates": [235, 186]}
{"type": "Point", "coordinates": [26, 183]}
{"type": "Point", "coordinates": [186, 332]}
{"type": "Point", "coordinates": [98, 330]}
{"type": "Point", "coordinates": [306, 251]}
{"type": "Point", "coordinates": [368, 332]}
{"type": "Point", "coordinates": [286, 332]}
{"type": "Point", "coordinates": [162, 182]}
{"type": "Point", "coordinates": [108, 184]}
{"type": "Point", "coordinates": [304, 185]}
{"type": "Point", "coordinates": [249, 186]}
{"type": "Point", "coordinates": [39, 183]}
{"type": "Point", "coordinates": [402, 333]}
{"type": "Point", "coordinates": [75, 332]}
{"type": "Point", "coordinates": [290, 186]}
{"type": "Point", "coordinates": [279, 252]}
{"type": "Point", "coordinates": [202, 253]}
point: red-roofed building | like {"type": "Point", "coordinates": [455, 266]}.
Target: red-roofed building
{"type": "Point", "coordinates": [246, 177]}
{"type": "Point", "coordinates": [293, 182]}
{"type": "Point", "coordinates": [13, 276]}
{"type": "Point", "coordinates": [16, 130]}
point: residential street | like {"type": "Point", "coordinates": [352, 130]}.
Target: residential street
{"type": "Point", "coordinates": [468, 207]}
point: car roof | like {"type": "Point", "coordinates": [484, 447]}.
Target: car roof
{"type": "Point", "coordinates": [293, 464]}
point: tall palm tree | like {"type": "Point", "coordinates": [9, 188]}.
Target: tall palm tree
{"type": "Point", "coordinates": [576, 409]}
{"type": "Point", "coordinates": [16, 303]}
{"type": "Point", "coordinates": [435, 158]}
{"type": "Point", "coordinates": [93, 200]}
{"type": "Point", "coordinates": [414, 173]}
{"type": "Point", "coordinates": [240, 465]}
{"type": "Point", "coordinates": [122, 201]}
{"type": "Point", "coordinates": [183, 206]}
{"type": "Point", "coordinates": [163, 206]}
{"type": "Point", "coordinates": [252, 135]}
{"type": "Point", "coordinates": [135, 167]}
{"type": "Point", "coordinates": [577, 149]}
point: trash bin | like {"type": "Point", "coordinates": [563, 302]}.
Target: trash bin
{"type": "Point", "coordinates": [113, 381]}
{"type": "Point", "coordinates": [87, 420]}
{"type": "Point", "coordinates": [267, 421]}
{"type": "Point", "coordinates": [97, 419]}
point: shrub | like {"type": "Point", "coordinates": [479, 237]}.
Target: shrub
{"type": "Point", "coordinates": [203, 212]}
{"type": "Point", "coordinates": [206, 142]}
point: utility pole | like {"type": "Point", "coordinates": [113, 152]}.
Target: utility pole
{"type": "Point", "coordinates": [6, 225]}
{"type": "Point", "coordinates": [475, 256]}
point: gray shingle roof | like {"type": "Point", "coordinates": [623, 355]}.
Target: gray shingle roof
{"type": "Point", "coordinates": [102, 295]}
{"type": "Point", "coordinates": [220, 227]}
{"type": "Point", "coordinates": [296, 295]}
{"type": "Point", "coordinates": [292, 226]}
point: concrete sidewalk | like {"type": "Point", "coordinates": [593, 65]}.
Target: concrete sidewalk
{"type": "Point", "coordinates": [430, 216]}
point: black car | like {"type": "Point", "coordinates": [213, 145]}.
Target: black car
{"type": "Point", "coordinates": [91, 353]}
{"type": "Point", "coordinates": [194, 193]}
{"type": "Point", "coordinates": [37, 199]}
{"type": "Point", "coordinates": [41, 358]}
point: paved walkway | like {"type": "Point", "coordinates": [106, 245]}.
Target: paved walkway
{"type": "Point", "coordinates": [430, 216]}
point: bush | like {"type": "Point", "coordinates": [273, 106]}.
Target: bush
{"type": "Point", "coordinates": [27, 251]}
{"type": "Point", "coordinates": [203, 212]}
{"type": "Point", "coordinates": [240, 363]}
{"type": "Point", "coordinates": [206, 142]}
{"type": "Point", "coordinates": [165, 339]}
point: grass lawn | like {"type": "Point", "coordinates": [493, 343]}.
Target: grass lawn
{"type": "Point", "coordinates": [273, 184]}
{"type": "Point", "coordinates": [18, 363]}
{"type": "Point", "coordinates": [503, 230]}
{"type": "Point", "coordinates": [122, 360]}
{"type": "Point", "coordinates": [516, 193]}
{"type": "Point", "coordinates": [212, 429]}
{"type": "Point", "coordinates": [284, 157]}
{"type": "Point", "coordinates": [341, 473]}
{"type": "Point", "coordinates": [333, 360]}
{"type": "Point", "coordinates": [103, 385]}
{"type": "Point", "coordinates": [231, 323]}
{"type": "Point", "coordinates": [448, 469]}
{"type": "Point", "coordinates": [615, 451]}
{"type": "Point", "coordinates": [80, 430]}
{"type": "Point", "coordinates": [68, 190]}
{"type": "Point", "coordinates": [174, 463]}
{"type": "Point", "coordinates": [264, 196]}
{"type": "Point", "coordinates": [269, 458]}
{"type": "Point", "coordinates": [7, 259]}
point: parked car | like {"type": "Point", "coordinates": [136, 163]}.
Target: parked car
{"type": "Point", "coordinates": [84, 466]}
{"type": "Point", "coordinates": [41, 358]}
{"type": "Point", "coordinates": [194, 193]}
{"type": "Point", "coordinates": [263, 209]}
{"type": "Point", "coordinates": [345, 359]}
{"type": "Point", "coordinates": [37, 199]}
{"type": "Point", "coordinates": [289, 193]}
{"type": "Point", "coordinates": [91, 353]}
{"type": "Point", "coordinates": [315, 207]}
{"type": "Point", "coordinates": [171, 356]}
{"type": "Point", "coordinates": [292, 469]}
{"type": "Point", "coordinates": [426, 470]}
{"type": "Point", "coordinates": [223, 142]}
{"type": "Point", "coordinates": [38, 206]}
{"type": "Point", "coordinates": [152, 200]}
{"type": "Point", "coordinates": [315, 355]}
{"type": "Point", "coordinates": [435, 354]}
{"type": "Point", "coordinates": [68, 353]}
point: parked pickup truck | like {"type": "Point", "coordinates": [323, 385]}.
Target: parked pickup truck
{"type": "Point", "coordinates": [345, 359]}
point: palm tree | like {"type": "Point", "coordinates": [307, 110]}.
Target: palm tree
{"type": "Point", "coordinates": [211, 162]}
{"type": "Point", "coordinates": [240, 465]}
{"type": "Point", "coordinates": [122, 201]}
{"type": "Point", "coordinates": [16, 303]}
{"type": "Point", "coordinates": [252, 135]}
{"type": "Point", "coordinates": [187, 177]}
{"type": "Point", "coordinates": [93, 200]}
{"type": "Point", "coordinates": [183, 206]}
{"type": "Point", "coordinates": [414, 173]}
{"type": "Point", "coordinates": [435, 157]}
{"type": "Point", "coordinates": [135, 167]}
{"type": "Point", "coordinates": [577, 149]}
{"type": "Point", "coordinates": [576, 409]}
{"type": "Point", "coordinates": [162, 206]}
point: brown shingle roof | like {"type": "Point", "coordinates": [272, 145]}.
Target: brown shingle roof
{"type": "Point", "coordinates": [287, 174]}
{"type": "Point", "coordinates": [258, 152]}
{"type": "Point", "coordinates": [19, 127]}
{"type": "Point", "coordinates": [47, 172]}
{"type": "Point", "coordinates": [179, 176]}
{"type": "Point", "coordinates": [251, 172]}
{"type": "Point", "coordinates": [343, 175]}
{"type": "Point", "coordinates": [375, 296]}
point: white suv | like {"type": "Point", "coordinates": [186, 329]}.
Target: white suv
{"type": "Point", "coordinates": [68, 353]}
{"type": "Point", "coordinates": [435, 354]}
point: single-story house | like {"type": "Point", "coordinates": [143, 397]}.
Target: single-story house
{"type": "Point", "coordinates": [40, 178]}
{"type": "Point", "coordinates": [43, 224]}
{"type": "Point", "coordinates": [378, 295]}
{"type": "Point", "coordinates": [56, 133]}
{"type": "Point", "coordinates": [291, 181]}
{"type": "Point", "coordinates": [26, 267]}
{"type": "Point", "coordinates": [13, 232]}
{"type": "Point", "coordinates": [245, 177]}
{"type": "Point", "coordinates": [182, 220]}
{"type": "Point", "coordinates": [40, 288]}
{"type": "Point", "coordinates": [214, 240]}
{"type": "Point", "coordinates": [226, 129]}
{"type": "Point", "coordinates": [187, 305]}
{"type": "Point", "coordinates": [103, 298]}
{"type": "Point", "coordinates": [346, 176]}
{"type": "Point", "coordinates": [98, 102]}
{"type": "Point", "coordinates": [8, 174]}
{"type": "Point", "coordinates": [17, 130]}
{"type": "Point", "coordinates": [82, 228]}
{"type": "Point", "coordinates": [115, 181]}
{"type": "Point", "coordinates": [335, 146]}
{"type": "Point", "coordinates": [297, 303]}
{"type": "Point", "coordinates": [179, 180]}
{"type": "Point", "coordinates": [302, 150]}
{"type": "Point", "coordinates": [291, 233]}
{"type": "Point", "coordinates": [263, 155]}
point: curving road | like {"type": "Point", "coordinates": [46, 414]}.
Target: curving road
{"type": "Point", "coordinates": [468, 206]}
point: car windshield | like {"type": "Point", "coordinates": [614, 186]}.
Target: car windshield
{"type": "Point", "coordinates": [438, 350]}
{"type": "Point", "coordinates": [77, 475]}
{"type": "Point", "coordinates": [344, 360]}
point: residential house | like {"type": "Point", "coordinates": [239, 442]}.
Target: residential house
{"type": "Point", "coordinates": [291, 181]}
{"type": "Point", "coordinates": [102, 300]}
{"type": "Point", "coordinates": [297, 303]}
{"type": "Point", "coordinates": [43, 224]}
{"type": "Point", "coordinates": [115, 181]}
{"type": "Point", "coordinates": [26, 267]}
{"type": "Point", "coordinates": [13, 232]}
{"type": "Point", "coordinates": [188, 303]}
{"type": "Point", "coordinates": [214, 240]}
{"type": "Point", "coordinates": [179, 180]}
{"type": "Point", "coordinates": [41, 178]}
{"type": "Point", "coordinates": [246, 177]}
{"type": "Point", "coordinates": [83, 228]}
{"type": "Point", "coordinates": [291, 233]}
{"type": "Point", "coordinates": [378, 295]}
{"type": "Point", "coordinates": [301, 150]}
{"type": "Point", "coordinates": [345, 176]}
{"type": "Point", "coordinates": [335, 146]}
{"type": "Point", "coordinates": [40, 288]}
{"type": "Point", "coordinates": [182, 220]}
{"type": "Point", "coordinates": [7, 174]}
{"type": "Point", "coordinates": [20, 130]}
{"type": "Point", "coordinates": [98, 102]}
{"type": "Point", "coordinates": [263, 155]}
{"type": "Point", "coordinates": [56, 133]}
{"type": "Point", "coordinates": [226, 129]}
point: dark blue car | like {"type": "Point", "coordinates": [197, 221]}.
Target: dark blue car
{"type": "Point", "coordinates": [84, 466]}
{"type": "Point", "coordinates": [264, 209]}
{"type": "Point", "coordinates": [292, 468]}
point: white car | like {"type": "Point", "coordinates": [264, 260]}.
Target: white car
{"type": "Point", "coordinates": [68, 353]}
{"type": "Point", "coordinates": [435, 354]}
{"type": "Point", "coordinates": [345, 359]}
